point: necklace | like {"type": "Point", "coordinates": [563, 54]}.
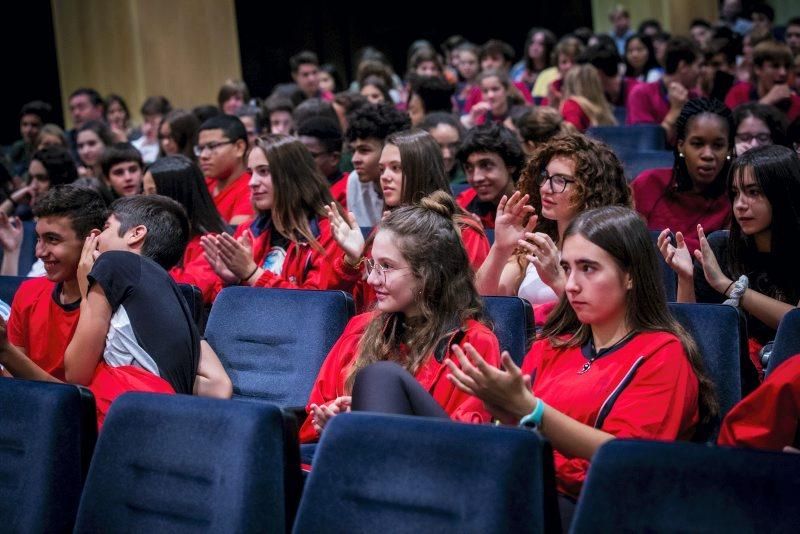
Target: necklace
{"type": "Point", "coordinates": [603, 352]}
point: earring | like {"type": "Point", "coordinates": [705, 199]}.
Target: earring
{"type": "Point", "coordinates": [680, 154]}
{"type": "Point", "coordinates": [728, 157]}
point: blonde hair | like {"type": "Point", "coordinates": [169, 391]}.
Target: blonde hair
{"type": "Point", "coordinates": [582, 84]}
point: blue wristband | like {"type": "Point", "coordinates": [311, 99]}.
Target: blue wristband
{"type": "Point", "coordinates": [534, 419]}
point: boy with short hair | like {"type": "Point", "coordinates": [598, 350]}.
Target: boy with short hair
{"type": "Point", "coordinates": [153, 111]}
{"type": "Point", "coordinates": [369, 128]}
{"type": "Point", "coordinates": [123, 169]}
{"type": "Point", "coordinates": [220, 150]}
{"type": "Point", "coordinates": [45, 310]}
{"type": "Point", "coordinates": [135, 331]}
{"type": "Point", "coordinates": [322, 136]}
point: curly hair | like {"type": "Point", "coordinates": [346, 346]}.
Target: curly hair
{"type": "Point", "coordinates": [599, 177]}
{"type": "Point", "coordinates": [376, 122]}
{"type": "Point", "coordinates": [428, 238]}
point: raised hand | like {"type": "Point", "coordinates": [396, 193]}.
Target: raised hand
{"type": "Point", "coordinates": [713, 272]}
{"type": "Point", "coordinates": [89, 255]}
{"type": "Point", "coordinates": [542, 252]}
{"type": "Point", "coordinates": [10, 232]}
{"type": "Point", "coordinates": [677, 256]}
{"type": "Point", "coordinates": [346, 233]}
{"type": "Point", "coordinates": [509, 226]}
{"type": "Point", "coordinates": [506, 392]}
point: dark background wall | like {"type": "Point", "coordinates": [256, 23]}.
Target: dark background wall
{"type": "Point", "coordinates": [29, 67]}
{"type": "Point", "coordinates": [269, 34]}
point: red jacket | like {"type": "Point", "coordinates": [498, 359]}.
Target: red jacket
{"type": "Point", "coordinates": [646, 389]}
{"type": "Point", "coordinates": [486, 211]}
{"type": "Point", "coordinates": [196, 271]}
{"type": "Point", "coordinates": [234, 200]}
{"type": "Point", "coordinates": [303, 268]}
{"type": "Point", "coordinates": [573, 113]}
{"type": "Point", "coordinates": [432, 375]}
{"type": "Point", "coordinates": [767, 418]}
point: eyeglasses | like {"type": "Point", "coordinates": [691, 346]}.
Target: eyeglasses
{"type": "Point", "coordinates": [380, 269]}
{"type": "Point", "coordinates": [762, 138]}
{"type": "Point", "coordinates": [558, 182]}
{"type": "Point", "coordinates": [199, 149]}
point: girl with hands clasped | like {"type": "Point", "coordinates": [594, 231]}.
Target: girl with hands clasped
{"type": "Point", "coordinates": [391, 360]}
{"type": "Point", "coordinates": [755, 265]}
{"type": "Point", "coordinates": [288, 242]}
{"type": "Point", "coordinates": [610, 362]}
{"type": "Point", "coordinates": [565, 176]}
{"type": "Point", "coordinates": [412, 167]}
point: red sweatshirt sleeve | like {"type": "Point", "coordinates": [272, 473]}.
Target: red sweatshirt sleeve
{"type": "Point", "coordinates": [330, 380]}
{"type": "Point", "coordinates": [768, 417]}
{"type": "Point", "coordinates": [477, 246]}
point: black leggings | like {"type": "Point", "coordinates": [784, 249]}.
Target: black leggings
{"type": "Point", "coordinates": [385, 387]}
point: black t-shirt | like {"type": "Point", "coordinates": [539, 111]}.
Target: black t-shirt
{"type": "Point", "coordinates": [151, 325]}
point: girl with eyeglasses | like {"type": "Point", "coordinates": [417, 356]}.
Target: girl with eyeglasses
{"type": "Point", "coordinates": [289, 243]}
{"type": "Point", "coordinates": [758, 125]}
{"type": "Point", "coordinates": [565, 176]}
{"type": "Point", "coordinates": [391, 360]}
{"type": "Point", "coordinates": [692, 192]}
{"type": "Point", "coordinates": [411, 167]}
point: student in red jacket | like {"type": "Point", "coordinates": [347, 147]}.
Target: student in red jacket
{"type": "Point", "coordinates": [693, 191]}
{"type": "Point", "coordinates": [411, 167]}
{"type": "Point", "coordinates": [178, 178]}
{"type": "Point", "coordinates": [392, 360]}
{"type": "Point", "coordinates": [220, 150]}
{"type": "Point", "coordinates": [493, 159]}
{"type": "Point", "coordinates": [565, 176]}
{"type": "Point", "coordinates": [611, 361]}
{"type": "Point", "coordinates": [289, 241]}
{"type": "Point", "coordinates": [772, 67]}
{"type": "Point", "coordinates": [768, 418]}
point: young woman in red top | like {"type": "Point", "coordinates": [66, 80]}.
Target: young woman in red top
{"type": "Point", "coordinates": [584, 103]}
{"type": "Point", "coordinates": [392, 360]}
{"type": "Point", "coordinates": [693, 191]}
{"type": "Point", "coordinates": [755, 266]}
{"type": "Point", "coordinates": [180, 179]}
{"type": "Point", "coordinates": [289, 242]}
{"type": "Point", "coordinates": [411, 167]}
{"type": "Point", "coordinates": [610, 362]}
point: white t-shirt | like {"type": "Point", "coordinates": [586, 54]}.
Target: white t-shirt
{"type": "Point", "coordinates": [364, 201]}
{"type": "Point", "coordinates": [533, 289]}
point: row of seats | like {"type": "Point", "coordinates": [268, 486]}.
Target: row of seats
{"type": "Point", "coordinates": [188, 464]}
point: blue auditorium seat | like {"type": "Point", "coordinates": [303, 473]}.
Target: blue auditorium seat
{"type": "Point", "coordinates": [177, 463]}
{"type": "Point", "coordinates": [47, 435]}
{"type": "Point", "coordinates": [720, 334]}
{"type": "Point", "coordinates": [381, 473]}
{"type": "Point", "coordinates": [9, 286]}
{"type": "Point", "coordinates": [272, 342]}
{"type": "Point", "coordinates": [512, 318]}
{"type": "Point", "coordinates": [635, 162]}
{"type": "Point", "coordinates": [651, 486]}
{"type": "Point", "coordinates": [787, 340]}
{"type": "Point", "coordinates": [622, 138]}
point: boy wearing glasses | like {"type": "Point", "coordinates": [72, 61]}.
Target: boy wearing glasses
{"type": "Point", "coordinates": [220, 151]}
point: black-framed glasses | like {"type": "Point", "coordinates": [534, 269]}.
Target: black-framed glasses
{"type": "Point", "coordinates": [558, 182]}
{"type": "Point", "coordinates": [370, 266]}
{"type": "Point", "coordinates": [213, 146]}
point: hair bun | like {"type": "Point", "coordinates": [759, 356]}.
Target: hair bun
{"type": "Point", "coordinates": [440, 202]}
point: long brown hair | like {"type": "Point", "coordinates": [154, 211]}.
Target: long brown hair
{"type": "Point", "coordinates": [623, 234]}
{"type": "Point", "coordinates": [423, 170]}
{"type": "Point", "coordinates": [300, 191]}
{"type": "Point", "coordinates": [427, 237]}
